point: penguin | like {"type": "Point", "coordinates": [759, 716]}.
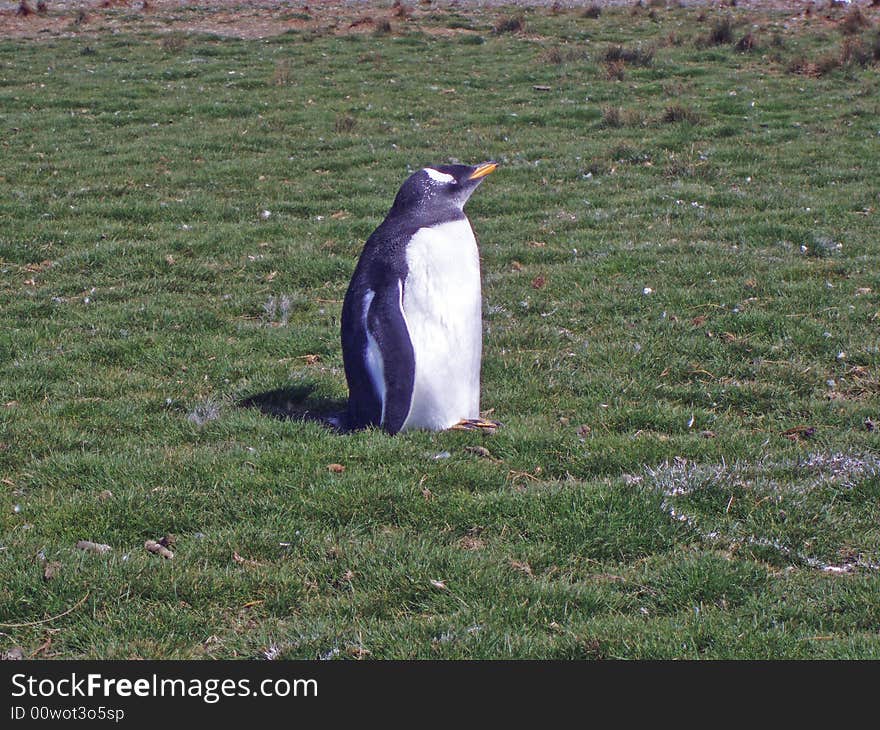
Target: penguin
{"type": "Point", "coordinates": [412, 315]}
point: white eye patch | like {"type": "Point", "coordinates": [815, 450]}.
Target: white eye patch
{"type": "Point", "coordinates": [438, 176]}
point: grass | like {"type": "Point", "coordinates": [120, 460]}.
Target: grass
{"type": "Point", "coordinates": [680, 338]}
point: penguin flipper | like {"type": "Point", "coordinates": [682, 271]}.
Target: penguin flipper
{"type": "Point", "coordinates": [389, 346]}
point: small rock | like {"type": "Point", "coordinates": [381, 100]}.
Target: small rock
{"type": "Point", "coordinates": [157, 549]}
{"type": "Point", "coordinates": [93, 547]}
{"type": "Point", "coordinates": [481, 451]}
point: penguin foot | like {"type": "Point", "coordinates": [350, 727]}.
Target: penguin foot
{"type": "Point", "coordinates": [475, 424]}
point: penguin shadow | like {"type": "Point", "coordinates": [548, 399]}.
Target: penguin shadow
{"type": "Point", "coordinates": [297, 404]}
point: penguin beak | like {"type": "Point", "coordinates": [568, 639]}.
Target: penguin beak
{"type": "Point", "coordinates": [483, 170]}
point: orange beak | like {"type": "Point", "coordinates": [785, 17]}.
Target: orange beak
{"type": "Point", "coordinates": [483, 170]}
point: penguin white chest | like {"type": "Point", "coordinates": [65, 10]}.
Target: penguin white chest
{"type": "Point", "coordinates": [442, 306]}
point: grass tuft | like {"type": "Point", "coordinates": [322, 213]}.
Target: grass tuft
{"type": "Point", "coordinates": [281, 75]}
{"type": "Point", "coordinates": [557, 55]}
{"type": "Point", "coordinates": [401, 10]}
{"type": "Point", "coordinates": [204, 413]}
{"type": "Point", "coordinates": [615, 117]}
{"type": "Point", "coordinates": [615, 70]}
{"type": "Point", "coordinates": [721, 32]}
{"type": "Point", "coordinates": [747, 43]}
{"type": "Point", "coordinates": [552, 56]}
{"type": "Point", "coordinates": [174, 43]}
{"type": "Point", "coordinates": [854, 22]}
{"type": "Point", "coordinates": [854, 52]}
{"type": "Point", "coordinates": [675, 113]}
{"type": "Point", "coordinates": [634, 56]}
{"type": "Point", "coordinates": [509, 24]}
{"type": "Point", "coordinates": [612, 117]}
{"type": "Point", "coordinates": [345, 123]}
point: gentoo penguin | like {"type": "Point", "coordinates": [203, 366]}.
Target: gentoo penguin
{"type": "Point", "coordinates": [411, 319]}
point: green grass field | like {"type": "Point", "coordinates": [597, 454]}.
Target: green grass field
{"type": "Point", "coordinates": [681, 270]}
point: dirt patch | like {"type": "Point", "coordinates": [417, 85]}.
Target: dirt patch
{"type": "Point", "coordinates": [263, 19]}
{"type": "Point", "coordinates": [218, 17]}
{"type": "Point", "coordinates": [225, 18]}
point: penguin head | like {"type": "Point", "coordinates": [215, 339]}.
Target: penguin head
{"type": "Point", "coordinates": [440, 188]}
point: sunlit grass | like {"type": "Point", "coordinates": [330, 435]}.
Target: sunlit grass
{"type": "Point", "coordinates": [680, 260]}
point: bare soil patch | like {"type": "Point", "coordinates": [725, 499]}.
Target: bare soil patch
{"type": "Point", "coordinates": [262, 19]}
